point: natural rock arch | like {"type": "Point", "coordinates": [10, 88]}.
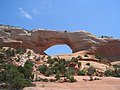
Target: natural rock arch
{"type": "Point", "coordinates": [39, 40]}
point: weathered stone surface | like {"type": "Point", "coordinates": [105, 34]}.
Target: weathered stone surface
{"type": "Point", "coordinates": [39, 40]}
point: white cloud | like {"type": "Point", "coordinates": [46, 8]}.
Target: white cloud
{"type": "Point", "coordinates": [25, 14]}
{"type": "Point", "coordinates": [43, 7]}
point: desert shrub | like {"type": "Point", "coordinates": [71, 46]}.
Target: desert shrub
{"type": "Point", "coordinates": [91, 78]}
{"type": "Point", "coordinates": [65, 31]}
{"type": "Point", "coordinates": [45, 80]}
{"type": "Point", "coordinates": [75, 60]}
{"type": "Point", "coordinates": [91, 70]}
{"type": "Point", "coordinates": [13, 77]}
{"type": "Point", "coordinates": [20, 51]}
{"type": "Point", "coordinates": [57, 76]}
{"type": "Point", "coordinates": [2, 55]}
{"type": "Point", "coordinates": [98, 56]}
{"type": "Point", "coordinates": [71, 71]}
{"type": "Point", "coordinates": [72, 79]}
{"type": "Point", "coordinates": [96, 79]}
{"type": "Point", "coordinates": [79, 57]}
{"type": "Point", "coordinates": [50, 61]}
{"type": "Point", "coordinates": [10, 52]}
{"type": "Point", "coordinates": [67, 75]}
{"type": "Point", "coordinates": [109, 72]}
{"type": "Point", "coordinates": [48, 72]}
{"type": "Point", "coordinates": [81, 72]}
{"type": "Point", "coordinates": [28, 68]}
{"type": "Point", "coordinates": [116, 66]}
{"type": "Point", "coordinates": [43, 68]}
{"type": "Point", "coordinates": [117, 73]}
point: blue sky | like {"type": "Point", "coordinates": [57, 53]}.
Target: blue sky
{"type": "Point", "coordinates": [100, 17]}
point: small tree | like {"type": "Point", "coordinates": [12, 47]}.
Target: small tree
{"type": "Point", "coordinates": [18, 83]}
{"type": "Point", "coordinates": [43, 68]}
{"type": "Point", "coordinates": [57, 76]}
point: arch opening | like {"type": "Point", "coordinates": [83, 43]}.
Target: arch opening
{"type": "Point", "coordinates": [58, 49]}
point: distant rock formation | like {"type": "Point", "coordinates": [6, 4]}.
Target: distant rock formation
{"type": "Point", "coordinates": [39, 40]}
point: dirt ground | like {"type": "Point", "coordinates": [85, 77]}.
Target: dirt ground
{"type": "Point", "coordinates": [106, 83]}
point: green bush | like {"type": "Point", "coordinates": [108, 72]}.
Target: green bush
{"type": "Point", "coordinates": [72, 79]}
{"type": "Point", "coordinates": [13, 77]}
{"type": "Point", "coordinates": [75, 60]}
{"type": "Point", "coordinates": [57, 76]}
{"type": "Point", "coordinates": [96, 79]}
{"type": "Point", "coordinates": [48, 72]}
{"type": "Point", "coordinates": [43, 69]}
{"type": "Point", "coordinates": [50, 61]}
{"type": "Point", "coordinates": [81, 72]}
{"type": "Point", "coordinates": [109, 72]}
{"type": "Point", "coordinates": [71, 71]}
{"type": "Point", "coordinates": [116, 66]}
{"type": "Point", "coordinates": [10, 52]}
{"type": "Point", "coordinates": [91, 78]}
{"type": "Point", "coordinates": [45, 80]}
{"type": "Point", "coordinates": [79, 57]}
{"type": "Point", "coordinates": [20, 51]}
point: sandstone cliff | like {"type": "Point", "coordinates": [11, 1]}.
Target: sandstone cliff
{"type": "Point", "coordinates": [39, 40]}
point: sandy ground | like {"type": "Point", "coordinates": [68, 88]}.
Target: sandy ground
{"type": "Point", "coordinates": [106, 83]}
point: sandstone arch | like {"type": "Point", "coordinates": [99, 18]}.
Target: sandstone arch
{"type": "Point", "coordinates": [39, 40]}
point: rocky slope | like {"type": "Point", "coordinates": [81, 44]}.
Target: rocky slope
{"type": "Point", "coordinates": [39, 40]}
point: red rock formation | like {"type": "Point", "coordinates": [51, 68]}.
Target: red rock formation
{"type": "Point", "coordinates": [39, 40]}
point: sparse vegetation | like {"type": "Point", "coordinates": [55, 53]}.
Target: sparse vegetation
{"type": "Point", "coordinates": [59, 67]}
{"type": "Point", "coordinates": [91, 70]}
{"type": "Point", "coordinates": [81, 72]}
{"type": "Point", "coordinates": [113, 72]}
{"type": "Point", "coordinates": [72, 79]}
{"type": "Point", "coordinates": [91, 78]}
{"type": "Point", "coordinates": [102, 59]}
{"type": "Point", "coordinates": [20, 51]}
{"type": "Point", "coordinates": [79, 57]}
{"type": "Point", "coordinates": [65, 31]}
{"type": "Point", "coordinates": [106, 36]}
{"type": "Point", "coordinates": [14, 77]}
{"type": "Point", "coordinates": [43, 68]}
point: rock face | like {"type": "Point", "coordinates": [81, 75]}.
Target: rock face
{"type": "Point", "coordinates": [39, 40]}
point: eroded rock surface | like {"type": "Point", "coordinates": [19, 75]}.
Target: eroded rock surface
{"type": "Point", "coordinates": [39, 40]}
